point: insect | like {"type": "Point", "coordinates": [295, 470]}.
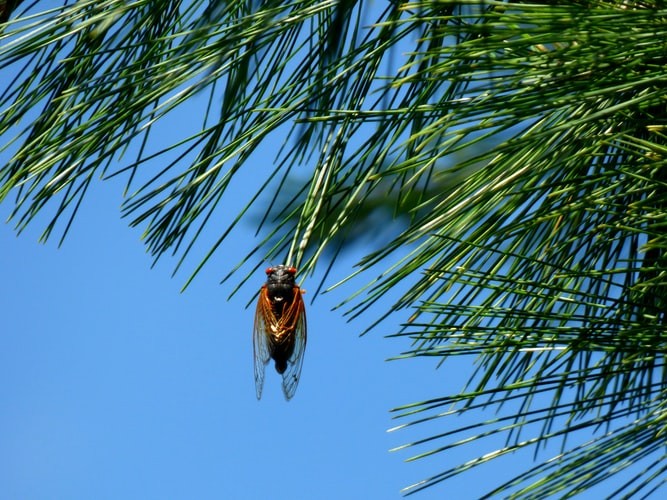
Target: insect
{"type": "Point", "coordinates": [279, 332]}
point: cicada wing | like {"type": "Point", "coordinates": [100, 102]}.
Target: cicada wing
{"type": "Point", "coordinates": [260, 338]}
{"type": "Point", "coordinates": [297, 320]}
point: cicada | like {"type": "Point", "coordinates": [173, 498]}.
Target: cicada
{"type": "Point", "coordinates": [280, 329]}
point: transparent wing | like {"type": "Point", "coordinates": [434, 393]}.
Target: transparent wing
{"type": "Point", "coordinates": [260, 339]}
{"type": "Point", "coordinates": [297, 320]}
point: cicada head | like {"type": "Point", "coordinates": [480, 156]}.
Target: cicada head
{"type": "Point", "coordinates": [280, 274]}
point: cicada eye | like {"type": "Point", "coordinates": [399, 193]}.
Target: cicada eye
{"type": "Point", "coordinates": [269, 270]}
{"type": "Point", "coordinates": [291, 270]}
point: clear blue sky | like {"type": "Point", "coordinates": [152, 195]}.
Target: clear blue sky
{"type": "Point", "coordinates": [115, 385]}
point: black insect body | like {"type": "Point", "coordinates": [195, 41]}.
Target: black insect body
{"type": "Point", "coordinates": [280, 290]}
{"type": "Point", "coordinates": [280, 329]}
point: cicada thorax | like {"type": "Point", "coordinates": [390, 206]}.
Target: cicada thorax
{"type": "Point", "coordinates": [281, 296]}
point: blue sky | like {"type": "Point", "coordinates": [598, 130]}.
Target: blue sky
{"type": "Point", "coordinates": [116, 385]}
